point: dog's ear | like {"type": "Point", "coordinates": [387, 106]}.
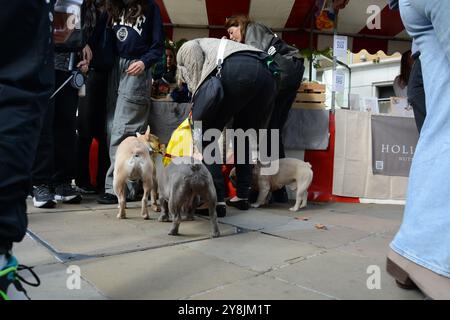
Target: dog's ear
{"type": "Point", "coordinates": [147, 133]}
{"type": "Point", "coordinates": [138, 134]}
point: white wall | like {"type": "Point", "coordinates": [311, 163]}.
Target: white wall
{"type": "Point", "coordinates": [365, 77]}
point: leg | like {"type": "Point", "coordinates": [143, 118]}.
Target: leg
{"type": "Point", "coordinates": [299, 196]}
{"type": "Point", "coordinates": [26, 83]}
{"type": "Point", "coordinates": [211, 199]}
{"type": "Point", "coordinates": [154, 194]}
{"type": "Point", "coordinates": [164, 216]}
{"type": "Point", "coordinates": [176, 218]}
{"type": "Point", "coordinates": [66, 102]}
{"type": "Point", "coordinates": [422, 237]}
{"type": "Point", "coordinates": [147, 185]}
{"type": "Point", "coordinates": [416, 94]}
{"type": "Point", "coordinates": [119, 189]}
{"type": "Point", "coordinates": [131, 113]}
{"type": "Point", "coordinates": [264, 189]}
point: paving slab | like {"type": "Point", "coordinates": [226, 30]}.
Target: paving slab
{"type": "Point", "coordinates": [305, 231]}
{"type": "Point", "coordinates": [364, 223]}
{"type": "Point", "coordinates": [165, 273]}
{"type": "Point", "coordinates": [254, 250]}
{"type": "Point", "coordinates": [54, 279]}
{"type": "Point", "coordinates": [30, 253]}
{"type": "Point", "coordinates": [101, 233]}
{"type": "Point", "coordinates": [254, 219]}
{"type": "Point", "coordinates": [343, 276]}
{"type": "Point", "coordinates": [260, 288]}
{"type": "Point", "coordinates": [374, 247]}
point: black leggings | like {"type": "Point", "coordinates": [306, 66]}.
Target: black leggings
{"type": "Point", "coordinates": [291, 78]}
{"type": "Point", "coordinates": [55, 156]}
{"type": "Point", "coordinates": [249, 92]}
{"type": "Point", "coordinates": [416, 94]}
{"type": "Point", "coordinates": [92, 124]}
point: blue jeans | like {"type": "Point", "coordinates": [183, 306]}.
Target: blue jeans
{"type": "Point", "coordinates": [424, 236]}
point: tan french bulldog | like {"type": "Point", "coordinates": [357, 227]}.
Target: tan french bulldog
{"type": "Point", "coordinates": [134, 161]}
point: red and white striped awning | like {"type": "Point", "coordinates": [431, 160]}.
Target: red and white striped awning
{"type": "Point", "coordinates": [289, 18]}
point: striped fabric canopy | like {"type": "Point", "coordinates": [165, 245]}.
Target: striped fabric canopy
{"type": "Point", "coordinates": [290, 19]}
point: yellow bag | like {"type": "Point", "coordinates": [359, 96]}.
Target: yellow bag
{"type": "Point", "coordinates": [181, 142]}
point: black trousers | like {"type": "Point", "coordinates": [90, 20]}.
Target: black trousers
{"type": "Point", "coordinates": [291, 78]}
{"type": "Point", "coordinates": [26, 83]}
{"type": "Point", "coordinates": [249, 92]}
{"type": "Point", "coordinates": [416, 93]}
{"type": "Point", "coordinates": [91, 123]}
{"type": "Point", "coordinates": [56, 156]}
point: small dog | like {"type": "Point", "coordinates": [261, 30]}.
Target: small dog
{"type": "Point", "coordinates": [134, 162]}
{"type": "Point", "coordinates": [294, 173]}
{"type": "Point", "coordinates": [181, 185]}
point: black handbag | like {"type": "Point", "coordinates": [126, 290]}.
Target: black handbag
{"type": "Point", "coordinates": [209, 97]}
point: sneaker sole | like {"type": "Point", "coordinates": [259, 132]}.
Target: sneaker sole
{"type": "Point", "coordinates": [44, 204]}
{"type": "Point", "coordinates": [69, 199]}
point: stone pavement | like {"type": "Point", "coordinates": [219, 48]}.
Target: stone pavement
{"type": "Point", "coordinates": [268, 253]}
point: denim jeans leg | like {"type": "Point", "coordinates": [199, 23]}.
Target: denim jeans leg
{"type": "Point", "coordinates": [424, 235]}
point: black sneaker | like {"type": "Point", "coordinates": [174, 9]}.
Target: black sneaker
{"type": "Point", "coordinates": [107, 198]}
{"type": "Point", "coordinates": [220, 209]}
{"type": "Point", "coordinates": [43, 197]}
{"type": "Point", "coordinates": [241, 204]}
{"type": "Point", "coordinates": [67, 194]}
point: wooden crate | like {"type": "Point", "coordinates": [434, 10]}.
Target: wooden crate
{"type": "Point", "coordinates": [310, 96]}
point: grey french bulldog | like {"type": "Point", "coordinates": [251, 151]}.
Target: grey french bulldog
{"type": "Point", "coordinates": [180, 186]}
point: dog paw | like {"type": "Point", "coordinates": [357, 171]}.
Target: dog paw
{"type": "Point", "coordinates": [146, 217]}
{"type": "Point", "coordinates": [255, 205]}
{"type": "Point", "coordinates": [156, 208]}
{"type": "Point", "coordinates": [293, 209]}
{"type": "Point", "coordinates": [119, 216]}
{"type": "Point", "coordinates": [173, 233]}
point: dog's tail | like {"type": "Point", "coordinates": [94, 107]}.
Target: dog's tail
{"type": "Point", "coordinates": [135, 159]}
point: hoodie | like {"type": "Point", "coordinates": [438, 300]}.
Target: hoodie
{"type": "Point", "coordinates": [144, 40]}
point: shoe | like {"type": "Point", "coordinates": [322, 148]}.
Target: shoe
{"type": "Point", "coordinates": [408, 275]}
{"type": "Point", "coordinates": [67, 194]}
{"type": "Point", "coordinates": [220, 209]}
{"type": "Point", "coordinates": [86, 189]}
{"type": "Point", "coordinates": [9, 276]}
{"type": "Point", "coordinates": [107, 198]}
{"type": "Point", "coordinates": [43, 197]}
{"type": "Point", "coordinates": [241, 204]}
{"type": "Point", "coordinates": [280, 196]}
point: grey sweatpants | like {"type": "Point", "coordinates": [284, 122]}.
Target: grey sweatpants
{"type": "Point", "coordinates": [130, 113]}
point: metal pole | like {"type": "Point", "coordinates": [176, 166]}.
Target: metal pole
{"type": "Point", "coordinates": [333, 95]}
{"type": "Point", "coordinates": [311, 35]}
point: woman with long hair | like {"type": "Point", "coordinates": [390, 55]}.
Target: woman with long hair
{"type": "Point", "coordinates": [402, 80]}
{"type": "Point", "coordinates": [139, 40]}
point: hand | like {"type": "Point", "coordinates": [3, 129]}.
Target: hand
{"type": "Point", "coordinates": [87, 53]}
{"type": "Point", "coordinates": [136, 68]}
{"type": "Point", "coordinates": [83, 66]}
